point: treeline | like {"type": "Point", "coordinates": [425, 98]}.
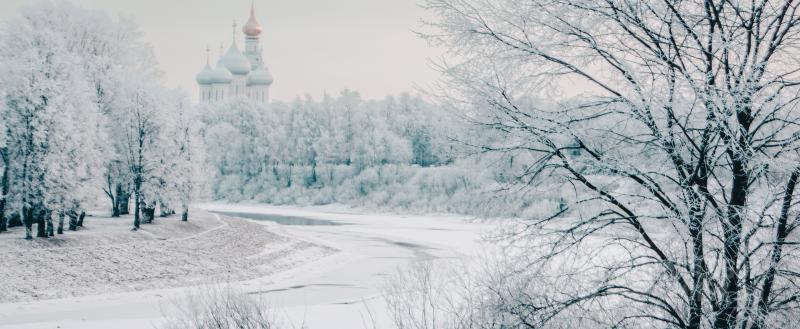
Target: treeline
{"type": "Point", "coordinates": [400, 153]}
{"type": "Point", "coordinates": [84, 117]}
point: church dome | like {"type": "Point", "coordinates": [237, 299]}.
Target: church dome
{"type": "Point", "coordinates": [260, 77]}
{"type": "Point", "coordinates": [236, 62]}
{"type": "Point", "coordinates": [205, 77]}
{"type": "Point", "coordinates": [221, 74]}
{"type": "Point", "coordinates": [252, 28]}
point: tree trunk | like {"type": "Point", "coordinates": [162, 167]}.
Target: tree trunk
{"type": "Point", "coordinates": [732, 229]}
{"type": "Point", "coordinates": [80, 218]}
{"type": "Point", "coordinates": [123, 200]}
{"type": "Point", "coordinates": [25, 215]}
{"type": "Point", "coordinates": [41, 230]}
{"type": "Point", "coordinates": [114, 206]}
{"type": "Point", "coordinates": [185, 214]}
{"type": "Point", "coordinates": [3, 190]}
{"type": "Point", "coordinates": [313, 174]}
{"type": "Point", "coordinates": [48, 217]}
{"type": "Point", "coordinates": [60, 222]}
{"type": "Point", "coordinates": [781, 233]}
{"type": "Point", "coordinates": [73, 220]}
{"type": "Point", "coordinates": [136, 207]}
{"type": "Point", "coordinates": [38, 217]}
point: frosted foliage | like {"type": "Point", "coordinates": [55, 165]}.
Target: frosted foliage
{"type": "Point", "coordinates": [50, 118]}
{"type": "Point", "coordinates": [396, 153]}
{"type": "Point", "coordinates": [82, 109]}
{"type": "Point", "coordinates": [671, 130]}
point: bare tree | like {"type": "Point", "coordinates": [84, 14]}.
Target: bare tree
{"type": "Point", "coordinates": [674, 127]}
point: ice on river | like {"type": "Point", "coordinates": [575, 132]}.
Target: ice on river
{"type": "Point", "coordinates": [341, 290]}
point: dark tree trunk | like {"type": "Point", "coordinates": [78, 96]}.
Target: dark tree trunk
{"type": "Point", "coordinates": [3, 190]}
{"type": "Point", "coordinates": [73, 220]}
{"type": "Point", "coordinates": [112, 191]}
{"type": "Point", "coordinates": [781, 233]}
{"type": "Point", "coordinates": [3, 220]}
{"type": "Point", "coordinates": [27, 220]}
{"type": "Point", "coordinates": [60, 222]}
{"type": "Point", "coordinates": [185, 214]}
{"type": "Point", "coordinates": [41, 226]}
{"type": "Point", "coordinates": [80, 218]}
{"type": "Point", "coordinates": [114, 206]}
{"type": "Point", "coordinates": [123, 200]}
{"type": "Point", "coordinates": [41, 230]}
{"type": "Point", "coordinates": [313, 180]}
{"type": "Point", "coordinates": [289, 177]}
{"type": "Point", "coordinates": [732, 225]}
{"type": "Point", "coordinates": [136, 208]}
{"type": "Point", "coordinates": [48, 217]}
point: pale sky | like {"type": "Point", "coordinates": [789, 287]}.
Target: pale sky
{"type": "Point", "coordinates": [311, 46]}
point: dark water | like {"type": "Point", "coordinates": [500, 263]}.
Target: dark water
{"type": "Point", "coordinates": [283, 220]}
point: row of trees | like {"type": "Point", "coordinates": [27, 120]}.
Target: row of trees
{"type": "Point", "coordinates": [313, 144]}
{"type": "Point", "coordinates": [82, 112]}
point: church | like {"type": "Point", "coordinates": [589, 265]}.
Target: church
{"type": "Point", "coordinates": [237, 73]}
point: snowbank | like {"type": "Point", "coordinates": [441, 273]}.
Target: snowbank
{"type": "Point", "coordinates": [107, 257]}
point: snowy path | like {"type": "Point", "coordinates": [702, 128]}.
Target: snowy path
{"type": "Point", "coordinates": [339, 291]}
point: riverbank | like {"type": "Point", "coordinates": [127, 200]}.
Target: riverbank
{"type": "Point", "coordinates": [343, 290]}
{"type": "Point", "coordinates": [107, 257]}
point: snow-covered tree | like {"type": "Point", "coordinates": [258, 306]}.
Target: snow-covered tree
{"type": "Point", "coordinates": [50, 117]}
{"type": "Point", "coordinates": [81, 97]}
{"type": "Point", "coordinates": [110, 50]}
{"type": "Point", "coordinates": [325, 150]}
{"type": "Point", "coordinates": [674, 127]}
{"type": "Point", "coordinates": [179, 156]}
{"type": "Point", "coordinates": [138, 116]}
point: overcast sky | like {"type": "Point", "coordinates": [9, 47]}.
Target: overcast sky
{"type": "Point", "coordinates": [309, 45]}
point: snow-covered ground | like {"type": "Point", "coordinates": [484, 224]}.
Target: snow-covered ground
{"type": "Point", "coordinates": [106, 256]}
{"type": "Point", "coordinates": [281, 264]}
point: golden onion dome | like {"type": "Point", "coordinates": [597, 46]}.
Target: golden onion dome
{"type": "Point", "coordinates": [252, 28]}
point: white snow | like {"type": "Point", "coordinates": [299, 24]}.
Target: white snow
{"type": "Point", "coordinates": [338, 291]}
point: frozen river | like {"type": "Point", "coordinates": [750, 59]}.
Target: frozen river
{"type": "Point", "coordinates": [339, 291]}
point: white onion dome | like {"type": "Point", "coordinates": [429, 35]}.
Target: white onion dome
{"type": "Point", "coordinates": [221, 74]}
{"type": "Point", "coordinates": [236, 62]}
{"type": "Point", "coordinates": [206, 76]}
{"type": "Point", "coordinates": [252, 28]}
{"type": "Point", "coordinates": [260, 77]}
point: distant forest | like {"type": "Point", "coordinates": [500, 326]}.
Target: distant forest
{"type": "Point", "coordinates": [400, 153]}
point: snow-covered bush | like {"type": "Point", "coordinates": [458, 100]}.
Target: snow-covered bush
{"type": "Point", "coordinates": [219, 308]}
